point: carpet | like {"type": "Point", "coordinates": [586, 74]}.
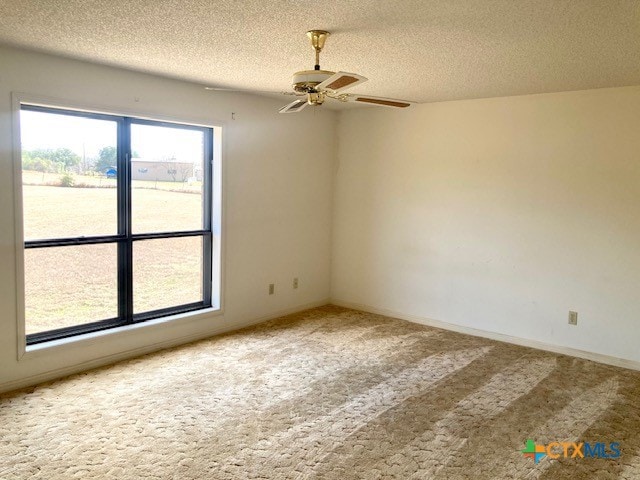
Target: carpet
{"type": "Point", "coordinates": [329, 393]}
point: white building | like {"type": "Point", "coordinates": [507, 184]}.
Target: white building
{"type": "Point", "coordinates": [166, 171]}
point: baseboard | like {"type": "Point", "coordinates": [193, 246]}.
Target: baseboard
{"type": "Point", "coordinates": [136, 352]}
{"type": "Point", "coordinates": [573, 352]}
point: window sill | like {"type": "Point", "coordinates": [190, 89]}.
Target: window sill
{"type": "Point", "coordinates": [89, 339]}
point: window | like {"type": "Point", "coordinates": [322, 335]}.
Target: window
{"type": "Point", "coordinates": [103, 245]}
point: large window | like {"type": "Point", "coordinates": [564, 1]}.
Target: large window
{"type": "Point", "coordinates": [117, 220]}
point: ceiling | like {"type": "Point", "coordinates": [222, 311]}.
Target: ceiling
{"type": "Point", "coordinates": [419, 50]}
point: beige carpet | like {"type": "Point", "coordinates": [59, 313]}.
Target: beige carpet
{"type": "Point", "coordinates": [328, 393]}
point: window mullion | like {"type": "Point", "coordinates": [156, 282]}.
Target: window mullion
{"type": "Point", "coordinates": [125, 255]}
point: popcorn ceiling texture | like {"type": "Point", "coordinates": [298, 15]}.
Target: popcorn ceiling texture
{"type": "Point", "coordinates": [328, 393]}
{"type": "Point", "coordinates": [417, 50]}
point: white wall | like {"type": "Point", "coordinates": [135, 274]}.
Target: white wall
{"type": "Point", "coordinates": [278, 200]}
{"type": "Point", "coordinates": [497, 214]}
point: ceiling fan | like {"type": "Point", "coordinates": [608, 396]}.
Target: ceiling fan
{"type": "Point", "coordinates": [317, 85]}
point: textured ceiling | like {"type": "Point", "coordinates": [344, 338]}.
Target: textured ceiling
{"type": "Point", "coordinates": [420, 50]}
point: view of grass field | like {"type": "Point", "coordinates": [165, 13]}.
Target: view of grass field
{"type": "Point", "coordinates": [68, 286]}
{"type": "Point", "coordinates": [69, 170]}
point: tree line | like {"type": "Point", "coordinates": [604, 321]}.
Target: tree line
{"type": "Point", "coordinates": [65, 160]}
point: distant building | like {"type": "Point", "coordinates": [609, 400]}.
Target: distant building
{"type": "Point", "coordinates": [167, 171]}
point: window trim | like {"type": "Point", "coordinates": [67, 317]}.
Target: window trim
{"type": "Point", "coordinates": [214, 205]}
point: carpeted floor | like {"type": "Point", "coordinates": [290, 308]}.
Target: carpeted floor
{"type": "Point", "coordinates": [328, 393]}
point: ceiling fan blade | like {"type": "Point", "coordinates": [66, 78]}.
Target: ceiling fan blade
{"type": "Point", "coordinates": [341, 81]}
{"type": "Point", "coordinates": [381, 101]}
{"type": "Point", "coordinates": [294, 106]}
{"type": "Point", "coordinates": [240, 90]}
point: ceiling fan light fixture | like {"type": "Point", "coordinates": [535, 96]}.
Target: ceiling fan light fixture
{"type": "Point", "coordinates": [315, 98]}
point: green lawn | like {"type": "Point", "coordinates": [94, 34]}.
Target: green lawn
{"type": "Point", "coordinates": [73, 285]}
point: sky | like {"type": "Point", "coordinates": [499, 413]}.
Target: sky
{"type": "Point", "coordinates": [86, 136]}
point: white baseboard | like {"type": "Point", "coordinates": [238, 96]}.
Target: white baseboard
{"type": "Point", "coordinates": [136, 352]}
{"type": "Point", "coordinates": [573, 352]}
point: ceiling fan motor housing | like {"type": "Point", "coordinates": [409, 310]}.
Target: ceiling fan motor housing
{"type": "Point", "coordinates": [307, 80]}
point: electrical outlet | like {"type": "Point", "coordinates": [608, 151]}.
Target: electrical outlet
{"type": "Point", "coordinates": [272, 288]}
{"type": "Point", "coordinates": [573, 318]}
{"type": "Point", "coordinates": [295, 282]}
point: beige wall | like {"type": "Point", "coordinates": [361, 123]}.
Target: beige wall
{"type": "Point", "coordinates": [278, 200]}
{"type": "Point", "coordinates": [498, 214]}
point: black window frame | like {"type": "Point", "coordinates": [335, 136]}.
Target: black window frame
{"type": "Point", "coordinates": [125, 238]}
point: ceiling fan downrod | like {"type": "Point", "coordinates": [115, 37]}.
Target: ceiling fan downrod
{"type": "Point", "coordinates": [317, 39]}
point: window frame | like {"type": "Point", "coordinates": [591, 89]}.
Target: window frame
{"type": "Point", "coordinates": [124, 237]}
